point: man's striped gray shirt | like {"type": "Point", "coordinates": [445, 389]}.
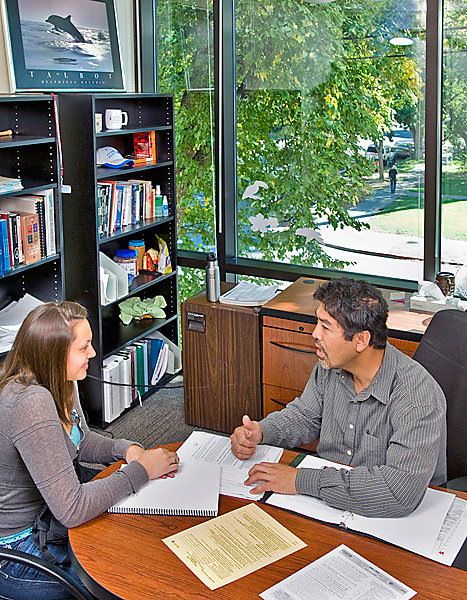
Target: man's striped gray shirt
{"type": "Point", "coordinates": [393, 433]}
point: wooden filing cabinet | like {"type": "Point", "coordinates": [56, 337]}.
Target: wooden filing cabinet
{"type": "Point", "coordinates": [221, 363]}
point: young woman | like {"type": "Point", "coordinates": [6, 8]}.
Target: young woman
{"type": "Point", "coordinates": [42, 429]}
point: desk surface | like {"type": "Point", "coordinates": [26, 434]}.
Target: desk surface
{"type": "Point", "coordinates": [124, 555]}
{"type": "Point", "coordinates": [297, 302]}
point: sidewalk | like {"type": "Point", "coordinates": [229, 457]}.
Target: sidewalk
{"type": "Point", "coordinates": [374, 203]}
{"type": "Point", "coordinates": [408, 248]}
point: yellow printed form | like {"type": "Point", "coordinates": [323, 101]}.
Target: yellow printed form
{"type": "Point", "coordinates": [228, 547]}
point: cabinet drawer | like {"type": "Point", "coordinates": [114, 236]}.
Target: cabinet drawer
{"type": "Point", "coordinates": [276, 398]}
{"type": "Point", "coordinates": [298, 326]}
{"type": "Point", "coordinates": [288, 357]}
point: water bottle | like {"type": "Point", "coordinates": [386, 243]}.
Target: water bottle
{"type": "Point", "coordinates": [213, 285]}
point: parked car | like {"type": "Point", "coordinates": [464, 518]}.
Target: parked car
{"type": "Point", "coordinates": [389, 156]}
{"type": "Point", "coordinates": [403, 150]}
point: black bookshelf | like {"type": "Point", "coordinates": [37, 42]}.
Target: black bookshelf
{"type": "Point", "coordinates": [31, 154]}
{"type": "Point", "coordinates": [146, 112]}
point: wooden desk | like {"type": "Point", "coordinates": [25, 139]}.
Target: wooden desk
{"type": "Point", "coordinates": [122, 556]}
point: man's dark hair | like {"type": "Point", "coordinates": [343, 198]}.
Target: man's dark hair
{"type": "Point", "coordinates": [357, 306]}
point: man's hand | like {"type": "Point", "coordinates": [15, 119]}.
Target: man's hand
{"type": "Point", "coordinates": [245, 438]}
{"type": "Point", "coordinates": [273, 477]}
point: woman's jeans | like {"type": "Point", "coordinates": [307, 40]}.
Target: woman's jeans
{"type": "Point", "coordinates": [25, 583]}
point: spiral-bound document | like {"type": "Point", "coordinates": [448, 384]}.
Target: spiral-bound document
{"type": "Point", "coordinates": [194, 491]}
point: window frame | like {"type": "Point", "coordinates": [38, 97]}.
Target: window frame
{"type": "Point", "coordinates": [230, 263]}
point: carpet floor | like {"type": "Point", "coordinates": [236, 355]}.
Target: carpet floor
{"type": "Point", "coordinates": [160, 420]}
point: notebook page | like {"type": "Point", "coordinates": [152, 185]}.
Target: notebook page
{"type": "Point", "coordinates": [179, 495]}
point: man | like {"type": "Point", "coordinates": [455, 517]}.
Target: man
{"type": "Point", "coordinates": [393, 178]}
{"type": "Point", "coordinates": [370, 405]}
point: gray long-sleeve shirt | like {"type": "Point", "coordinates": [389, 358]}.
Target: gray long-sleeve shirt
{"type": "Point", "coordinates": [393, 433]}
{"type": "Point", "coordinates": [36, 457]}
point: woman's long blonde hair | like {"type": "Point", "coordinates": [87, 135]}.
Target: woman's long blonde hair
{"type": "Point", "coordinates": [40, 352]}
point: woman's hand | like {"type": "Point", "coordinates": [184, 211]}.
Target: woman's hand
{"type": "Point", "coordinates": [159, 462]}
{"type": "Point", "coordinates": [133, 453]}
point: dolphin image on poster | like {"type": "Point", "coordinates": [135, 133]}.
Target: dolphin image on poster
{"type": "Point", "coordinates": [64, 24]}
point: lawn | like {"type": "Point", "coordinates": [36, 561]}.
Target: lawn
{"type": "Point", "coordinates": [406, 218]}
{"type": "Point", "coordinates": [404, 215]}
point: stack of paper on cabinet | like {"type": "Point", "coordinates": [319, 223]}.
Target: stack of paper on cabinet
{"type": "Point", "coordinates": [249, 294]}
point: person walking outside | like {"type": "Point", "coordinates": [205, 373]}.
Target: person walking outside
{"type": "Point", "coordinates": [393, 177]}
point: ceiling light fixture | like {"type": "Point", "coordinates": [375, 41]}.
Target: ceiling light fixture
{"type": "Point", "coordinates": [401, 41]}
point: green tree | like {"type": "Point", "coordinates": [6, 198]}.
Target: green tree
{"type": "Point", "coordinates": [312, 82]}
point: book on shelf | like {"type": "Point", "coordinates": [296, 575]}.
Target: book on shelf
{"type": "Point", "coordinates": [139, 160]}
{"type": "Point", "coordinates": [122, 203]}
{"type": "Point", "coordinates": [158, 355]}
{"type": "Point", "coordinates": [141, 381]}
{"type": "Point", "coordinates": [43, 204]}
{"type": "Point", "coordinates": [141, 365]}
{"type": "Point", "coordinates": [142, 145]}
{"type": "Point", "coordinates": [6, 265]}
{"type": "Point", "coordinates": [152, 138]}
{"type": "Point", "coordinates": [49, 217]}
{"type": "Point", "coordinates": [19, 238]}
{"type": "Point", "coordinates": [161, 364]}
{"type": "Point", "coordinates": [179, 495]}
{"type": "Point", "coordinates": [125, 378]}
{"type": "Point", "coordinates": [2, 270]}
{"type": "Point", "coordinates": [10, 184]}
{"type": "Point", "coordinates": [131, 350]}
{"type": "Point", "coordinates": [8, 244]}
{"type": "Point", "coordinates": [16, 238]}
{"type": "Point", "coordinates": [30, 236]}
{"type": "Point", "coordinates": [112, 403]}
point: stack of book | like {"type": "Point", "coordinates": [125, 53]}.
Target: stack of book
{"type": "Point", "coordinates": [122, 203]}
{"type": "Point", "coordinates": [10, 184]}
{"type": "Point", "coordinates": [27, 229]}
{"type": "Point", "coordinates": [138, 367]}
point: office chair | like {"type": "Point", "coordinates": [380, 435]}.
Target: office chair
{"type": "Point", "coordinates": [443, 353]}
{"type": "Point", "coordinates": [43, 566]}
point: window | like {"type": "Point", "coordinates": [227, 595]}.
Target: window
{"type": "Point", "coordinates": [185, 67]}
{"type": "Point", "coordinates": [454, 138]}
{"type": "Point", "coordinates": [329, 97]}
{"type": "Point", "coordinates": [326, 98]}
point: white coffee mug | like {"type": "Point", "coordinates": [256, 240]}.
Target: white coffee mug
{"type": "Point", "coordinates": [115, 118]}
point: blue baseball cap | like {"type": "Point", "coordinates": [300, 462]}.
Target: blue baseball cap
{"type": "Point", "coordinates": [111, 157]}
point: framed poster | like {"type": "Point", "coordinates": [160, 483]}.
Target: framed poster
{"type": "Point", "coordinates": [62, 45]}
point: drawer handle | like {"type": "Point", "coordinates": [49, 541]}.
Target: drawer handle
{"type": "Point", "coordinates": [278, 402]}
{"type": "Point", "coordinates": [292, 348]}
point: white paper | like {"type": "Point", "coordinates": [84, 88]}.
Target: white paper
{"type": "Point", "coordinates": [451, 535]}
{"type": "Point", "coordinates": [12, 317]}
{"type": "Point", "coordinates": [211, 448]}
{"type": "Point", "coordinates": [249, 294]}
{"type": "Point", "coordinates": [179, 495]}
{"type": "Point", "coordinates": [341, 574]}
{"type": "Point", "coordinates": [416, 532]}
